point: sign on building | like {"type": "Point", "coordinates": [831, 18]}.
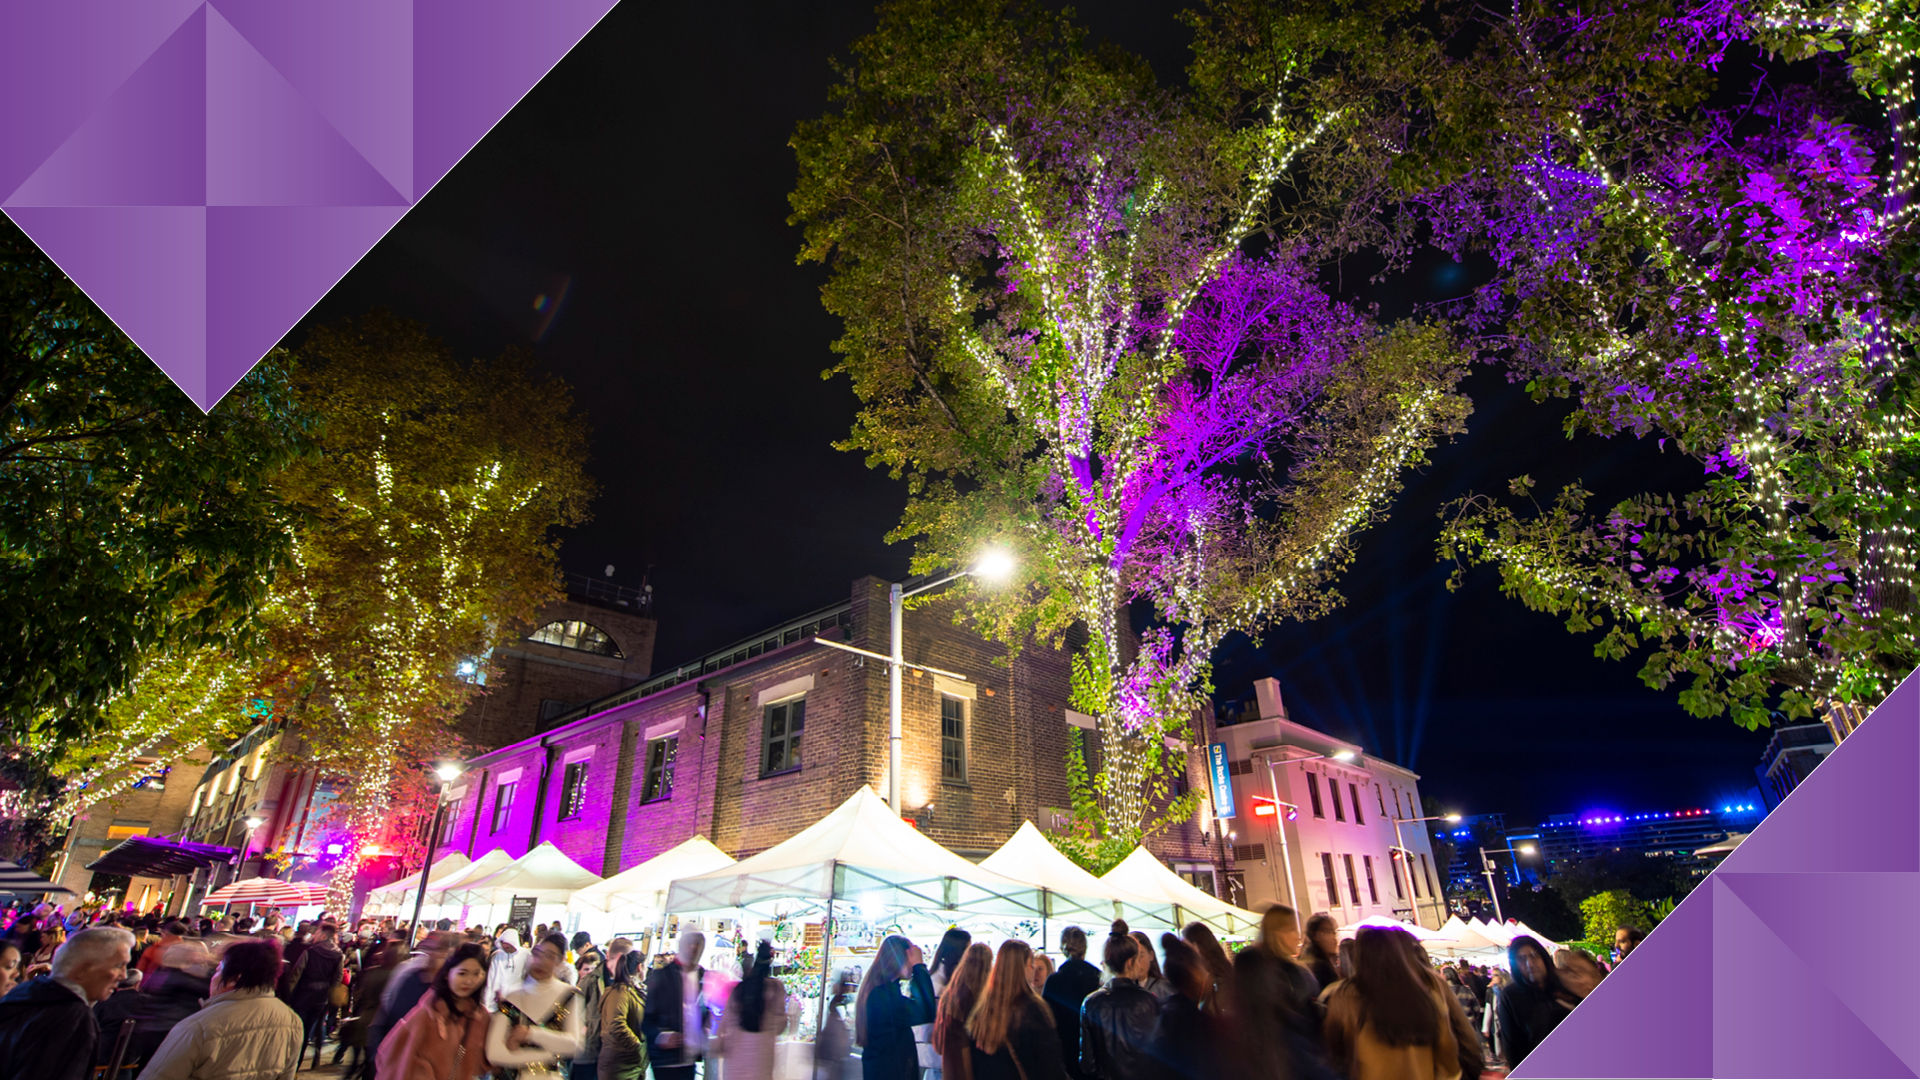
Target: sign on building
{"type": "Point", "coordinates": [1222, 780]}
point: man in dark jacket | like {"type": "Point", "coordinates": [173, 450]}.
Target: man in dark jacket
{"type": "Point", "coordinates": [408, 984]}
{"type": "Point", "coordinates": [1116, 1022]}
{"type": "Point", "coordinates": [169, 995]}
{"type": "Point", "coordinates": [309, 983]}
{"type": "Point", "coordinates": [47, 1028]}
{"type": "Point", "coordinates": [595, 975]}
{"type": "Point", "coordinates": [674, 1021]}
{"type": "Point", "coordinates": [1066, 990]}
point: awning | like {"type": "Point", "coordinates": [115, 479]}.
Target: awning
{"type": "Point", "coordinates": [1141, 874]}
{"type": "Point", "coordinates": [545, 873]}
{"type": "Point", "coordinates": [644, 887]}
{"type": "Point", "coordinates": [150, 856]}
{"type": "Point", "coordinates": [1070, 892]}
{"type": "Point", "coordinates": [20, 881]}
{"type": "Point", "coordinates": [269, 891]}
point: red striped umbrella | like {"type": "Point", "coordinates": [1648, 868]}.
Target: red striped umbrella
{"type": "Point", "coordinates": [269, 891]}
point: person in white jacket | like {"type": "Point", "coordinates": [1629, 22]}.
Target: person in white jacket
{"type": "Point", "coordinates": [242, 1033]}
{"type": "Point", "coordinates": [537, 1030]}
{"type": "Point", "coordinates": [507, 969]}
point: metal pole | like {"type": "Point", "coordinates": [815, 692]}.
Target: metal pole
{"type": "Point", "coordinates": [1286, 855]}
{"type": "Point", "coordinates": [1487, 865]}
{"type": "Point", "coordinates": [898, 602]}
{"type": "Point", "coordinates": [826, 954]}
{"type": "Point", "coordinates": [1413, 896]}
{"type": "Point", "coordinates": [420, 898]}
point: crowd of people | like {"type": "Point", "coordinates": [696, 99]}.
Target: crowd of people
{"type": "Point", "coordinates": [226, 999]}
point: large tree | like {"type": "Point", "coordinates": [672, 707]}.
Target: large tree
{"type": "Point", "coordinates": [1082, 325]}
{"type": "Point", "coordinates": [131, 524]}
{"type": "Point", "coordinates": [1735, 282]}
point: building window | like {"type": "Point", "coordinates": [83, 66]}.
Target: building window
{"type": "Point", "coordinates": [660, 755]}
{"type": "Point", "coordinates": [1407, 858]}
{"type": "Point", "coordinates": [785, 724]}
{"type": "Point", "coordinates": [1354, 790]}
{"type": "Point", "coordinates": [552, 707]}
{"type": "Point", "coordinates": [452, 820]}
{"type": "Point", "coordinates": [1333, 887]}
{"type": "Point", "coordinates": [1426, 871]}
{"type": "Point", "coordinates": [953, 739]}
{"type": "Point", "coordinates": [573, 790]}
{"type": "Point", "coordinates": [1353, 883]}
{"type": "Point", "coordinates": [503, 804]}
{"type": "Point", "coordinates": [1381, 794]}
{"type": "Point", "coordinates": [1399, 890]}
{"type": "Point", "coordinates": [1333, 792]}
{"type": "Point", "coordinates": [1373, 888]}
{"type": "Point", "coordinates": [574, 634]}
{"type": "Point", "coordinates": [1313, 795]}
{"type": "Point", "coordinates": [1397, 811]}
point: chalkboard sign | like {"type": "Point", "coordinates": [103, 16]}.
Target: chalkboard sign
{"type": "Point", "coordinates": [521, 918]}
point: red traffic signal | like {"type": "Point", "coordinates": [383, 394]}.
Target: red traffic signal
{"type": "Point", "coordinates": [1263, 806]}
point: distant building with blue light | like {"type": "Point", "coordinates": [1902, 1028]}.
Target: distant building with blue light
{"type": "Point", "coordinates": [1791, 754]}
{"type": "Point", "coordinates": [1571, 838]}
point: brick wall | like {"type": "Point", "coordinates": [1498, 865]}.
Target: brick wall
{"type": "Point", "coordinates": [527, 673]}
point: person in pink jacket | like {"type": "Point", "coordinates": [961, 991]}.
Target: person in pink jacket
{"type": "Point", "coordinates": [446, 1034]}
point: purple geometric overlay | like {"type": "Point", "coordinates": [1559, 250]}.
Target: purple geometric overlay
{"type": "Point", "coordinates": [1794, 958]}
{"type": "Point", "coordinates": [207, 169]}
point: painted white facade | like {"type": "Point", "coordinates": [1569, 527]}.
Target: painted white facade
{"type": "Point", "coordinates": [1344, 826]}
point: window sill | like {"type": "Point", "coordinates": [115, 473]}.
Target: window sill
{"type": "Point", "coordinates": [794, 771]}
{"type": "Point", "coordinates": [668, 797]}
{"type": "Point", "coordinates": [961, 785]}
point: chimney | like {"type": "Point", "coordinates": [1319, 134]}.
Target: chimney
{"type": "Point", "coordinates": [1267, 693]}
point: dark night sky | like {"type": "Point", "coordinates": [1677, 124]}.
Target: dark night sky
{"type": "Point", "coordinates": [649, 173]}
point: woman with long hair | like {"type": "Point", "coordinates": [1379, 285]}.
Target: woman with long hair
{"type": "Point", "coordinates": [949, 1037]}
{"type": "Point", "coordinates": [446, 1034]}
{"type": "Point", "coordinates": [953, 944]}
{"type": "Point", "coordinates": [1496, 1039]}
{"type": "Point", "coordinates": [1188, 1039]}
{"type": "Point", "coordinates": [1156, 981]}
{"type": "Point", "coordinates": [1390, 1020]}
{"type": "Point", "coordinates": [1039, 970]}
{"type": "Point", "coordinates": [623, 1048]}
{"type": "Point", "coordinates": [10, 965]}
{"type": "Point", "coordinates": [1214, 956]}
{"type": "Point", "coordinates": [1536, 1001]}
{"type": "Point", "coordinates": [755, 1016]}
{"type": "Point", "coordinates": [884, 1018]}
{"type": "Point", "coordinates": [1011, 1027]}
{"type": "Point", "coordinates": [1323, 948]}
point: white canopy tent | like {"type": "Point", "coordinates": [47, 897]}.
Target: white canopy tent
{"type": "Point", "coordinates": [396, 894]}
{"type": "Point", "coordinates": [1724, 847]}
{"type": "Point", "coordinates": [864, 853]}
{"type": "Point", "coordinates": [1141, 874]}
{"type": "Point", "coordinates": [1068, 891]}
{"type": "Point", "coordinates": [545, 873]}
{"type": "Point", "coordinates": [1385, 922]}
{"type": "Point", "coordinates": [492, 862]}
{"type": "Point", "coordinates": [1516, 928]}
{"type": "Point", "coordinates": [1459, 938]}
{"type": "Point", "coordinates": [643, 888]}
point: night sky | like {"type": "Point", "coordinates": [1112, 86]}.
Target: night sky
{"type": "Point", "coordinates": [643, 185]}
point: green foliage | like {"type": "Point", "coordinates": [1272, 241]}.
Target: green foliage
{"type": "Point", "coordinates": [1604, 912]}
{"type": "Point", "coordinates": [135, 524]}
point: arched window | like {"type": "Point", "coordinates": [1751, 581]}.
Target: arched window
{"type": "Point", "coordinates": [574, 634]}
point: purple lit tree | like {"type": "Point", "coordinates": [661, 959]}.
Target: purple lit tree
{"type": "Point", "coordinates": [1737, 284]}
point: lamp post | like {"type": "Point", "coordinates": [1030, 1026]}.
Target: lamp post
{"type": "Point", "coordinates": [1406, 857]}
{"type": "Point", "coordinates": [253, 825]}
{"type": "Point", "coordinates": [448, 772]}
{"type": "Point", "coordinates": [1486, 867]}
{"type": "Point", "coordinates": [1280, 825]}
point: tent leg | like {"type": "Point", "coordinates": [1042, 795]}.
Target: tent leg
{"type": "Point", "coordinates": [826, 955]}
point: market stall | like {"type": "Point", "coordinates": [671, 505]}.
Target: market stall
{"type": "Point", "coordinates": [633, 903]}
{"type": "Point", "coordinates": [1069, 893]}
{"type": "Point", "coordinates": [543, 877]}
{"type": "Point", "coordinates": [396, 897]}
{"type": "Point", "coordinates": [1143, 874]}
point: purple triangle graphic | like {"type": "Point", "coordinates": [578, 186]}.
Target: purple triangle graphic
{"type": "Point", "coordinates": [1652, 1017]}
{"type": "Point", "coordinates": [146, 146]}
{"type": "Point", "coordinates": [473, 60]}
{"type": "Point", "coordinates": [267, 145]}
{"type": "Point", "coordinates": [249, 311]}
{"type": "Point", "coordinates": [352, 60]}
{"type": "Point", "coordinates": [1874, 984]}
{"type": "Point", "coordinates": [62, 63]}
{"type": "Point", "coordinates": [1859, 811]}
{"type": "Point", "coordinates": [1772, 1016]}
{"type": "Point", "coordinates": [145, 266]}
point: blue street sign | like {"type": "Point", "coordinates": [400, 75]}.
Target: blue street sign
{"type": "Point", "coordinates": [1222, 780]}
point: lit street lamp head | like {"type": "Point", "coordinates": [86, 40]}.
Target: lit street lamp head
{"type": "Point", "coordinates": [255, 822]}
{"type": "Point", "coordinates": [1525, 849]}
{"type": "Point", "coordinates": [1453, 819]}
{"type": "Point", "coordinates": [1343, 755]}
{"type": "Point", "coordinates": [448, 771]}
{"type": "Point", "coordinates": [995, 564]}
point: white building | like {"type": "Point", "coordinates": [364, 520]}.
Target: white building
{"type": "Point", "coordinates": [1342, 824]}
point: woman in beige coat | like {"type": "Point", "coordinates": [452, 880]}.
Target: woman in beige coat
{"type": "Point", "coordinates": [755, 1016]}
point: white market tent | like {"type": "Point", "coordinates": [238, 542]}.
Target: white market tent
{"type": "Point", "coordinates": [644, 887]}
{"type": "Point", "coordinates": [1515, 928]}
{"type": "Point", "coordinates": [545, 873]}
{"type": "Point", "coordinates": [1724, 847]}
{"type": "Point", "coordinates": [1068, 891]}
{"type": "Point", "coordinates": [1460, 938]}
{"type": "Point", "coordinates": [861, 852]}
{"type": "Point", "coordinates": [1141, 874]}
{"type": "Point", "coordinates": [396, 893]}
{"type": "Point", "coordinates": [492, 862]}
{"type": "Point", "coordinates": [1387, 922]}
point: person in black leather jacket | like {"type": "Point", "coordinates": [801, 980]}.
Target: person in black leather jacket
{"type": "Point", "coordinates": [1067, 990]}
{"type": "Point", "coordinates": [1117, 1022]}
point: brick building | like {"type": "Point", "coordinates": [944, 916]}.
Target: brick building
{"type": "Point", "coordinates": [752, 743]}
{"type": "Point", "coordinates": [154, 804]}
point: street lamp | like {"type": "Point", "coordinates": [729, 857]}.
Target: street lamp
{"type": "Point", "coordinates": [1406, 857]}
{"type": "Point", "coordinates": [1487, 867]}
{"type": "Point", "coordinates": [993, 565]}
{"type": "Point", "coordinates": [448, 772]}
{"type": "Point", "coordinates": [1280, 825]}
{"type": "Point", "coordinates": [254, 821]}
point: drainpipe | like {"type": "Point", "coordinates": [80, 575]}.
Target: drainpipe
{"type": "Point", "coordinates": [540, 798]}
{"type": "Point", "coordinates": [699, 778]}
